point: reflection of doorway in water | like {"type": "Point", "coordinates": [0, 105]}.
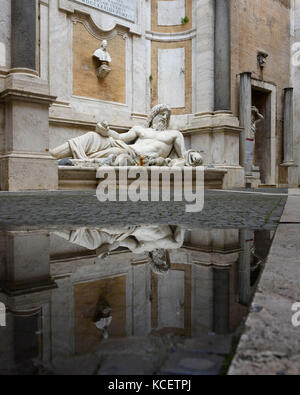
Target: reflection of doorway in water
{"type": "Point", "coordinates": [28, 339]}
{"type": "Point", "coordinates": [261, 99]}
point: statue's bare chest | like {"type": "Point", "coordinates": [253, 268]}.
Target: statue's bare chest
{"type": "Point", "coordinates": [163, 137]}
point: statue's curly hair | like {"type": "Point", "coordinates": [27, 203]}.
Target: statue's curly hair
{"type": "Point", "coordinates": [157, 110]}
{"type": "Point", "coordinates": [159, 260]}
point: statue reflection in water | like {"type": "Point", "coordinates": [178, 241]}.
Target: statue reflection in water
{"type": "Point", "coordinates": [153, 240]}
{"type": "Point", "coordinates": [103, 317]}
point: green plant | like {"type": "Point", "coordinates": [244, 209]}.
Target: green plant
{"type": "Point", "coordinates": [151, 78]}
{"type": "Point", "coordinates": [185, 20]}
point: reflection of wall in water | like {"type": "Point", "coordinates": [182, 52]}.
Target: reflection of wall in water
{"type": "Point", "coordinates": [200, 294]}
{"type": "Point", "coordinates": [25, 289]}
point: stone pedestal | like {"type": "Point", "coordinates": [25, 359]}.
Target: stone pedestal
{"type": "Point", "coordinates": [25, 263]}
{"type": "Point", "coordinates": [25, 162]}
{"type": "Point", "coordinates": [103, 71]}
{"type": "Point", "coordinates": [218, 136]}
{"type": "Point", "coordinates": [252, 172]}
{"type": "Point", "coordinates": [26, 287]}
{"type": "Point", "coordinates": [84, 179]}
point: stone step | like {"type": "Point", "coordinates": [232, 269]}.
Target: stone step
{"type": "Point", "coordinates": [267, 186]}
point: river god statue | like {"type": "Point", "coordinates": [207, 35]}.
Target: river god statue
{"type": "Point", "coordinates": [154, 145]}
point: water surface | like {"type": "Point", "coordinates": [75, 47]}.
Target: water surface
{"type": "Point", "coordinates": [133, 288]}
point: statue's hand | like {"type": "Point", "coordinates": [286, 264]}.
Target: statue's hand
{"type": "Point", "coordinates": [102, 128]}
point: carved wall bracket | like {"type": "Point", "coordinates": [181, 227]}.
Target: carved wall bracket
{"type": "Point", "coordinates": [262, 58]}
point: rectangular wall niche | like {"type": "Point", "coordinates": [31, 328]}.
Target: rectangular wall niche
{"type": "Point", "coordinates": [170, 13]}
{"type": "Point", "coordinates": [121, 8]}
{"type": "Point", "coordinates": [171, 77]}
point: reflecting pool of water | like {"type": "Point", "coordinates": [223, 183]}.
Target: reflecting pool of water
{"type": "Point", "coordinates": [153, 291]}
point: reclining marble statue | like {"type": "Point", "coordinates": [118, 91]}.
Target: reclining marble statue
{"type": "Point", "coordinates": [153, 145]}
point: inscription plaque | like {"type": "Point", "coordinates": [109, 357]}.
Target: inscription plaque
{"type": "Point", "coordinates": [121, 8]}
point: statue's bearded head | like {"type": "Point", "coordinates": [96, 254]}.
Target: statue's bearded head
{"type": "Point", "coordinates": [159, 260]}
{"type": "Point", "coordinates": [159, 118]}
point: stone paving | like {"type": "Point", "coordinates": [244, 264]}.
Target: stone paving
{"type": "Point", "coordinates": [158, 355]}
{"type": "Point", "coordinates": [221, 210]}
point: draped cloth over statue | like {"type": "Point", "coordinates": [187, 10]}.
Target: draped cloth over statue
{"type": "Point", "coordinates": [93, 238]}
{"type": "Point", "coordinates": [146, 238]}
{"type": "Point", "coordinates": [92, 145]}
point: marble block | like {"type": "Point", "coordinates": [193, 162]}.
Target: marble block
{"type": "Point", "coordinates": [170, 13]}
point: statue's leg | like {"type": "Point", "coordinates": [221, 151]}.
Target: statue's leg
{"type": "Point", "coordinates": [63, 151]}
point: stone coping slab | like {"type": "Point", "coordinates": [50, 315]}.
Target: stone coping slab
{"type": "Point", "coordinates": [270, 344]}
{"type": "Point", "coordinates": [79, 178]}
{"type": "Point", "coordinates": [291, 213]}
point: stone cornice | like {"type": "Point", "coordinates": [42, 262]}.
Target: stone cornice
{"type": "Point", "coordinates": [27, 155]}
{"type": "Point", "coordinates": [18, 94]}
{"type": "Point", "coordinates": [171, 37]}
{"type": "Point", "coordinates": [212, 129]}
{"type": "Point", "coordinates": [81, 124]}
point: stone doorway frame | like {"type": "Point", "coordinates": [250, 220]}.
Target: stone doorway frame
{"type": "Point", "coordinates": [270, 88]}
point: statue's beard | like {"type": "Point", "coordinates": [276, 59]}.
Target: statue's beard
{"type": "Point", "coordinates": [161, 125]}
{"type": "Point", "coordinates": [159, 261]}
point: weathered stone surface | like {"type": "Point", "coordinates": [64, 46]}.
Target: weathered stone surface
{"type": "Point", "coordinates": [218, 344]}
{"type": "Point", "coordinates": [79, 365]}
{"type": "Point", "coordinates": [288, 126]}
{"type": "Point", "coordinates": [265, 363]}
{"type": "Point", "coordinates": [192, 364]}
{"type": "Point", "coordinates": [171, 90]}
{"type": "Point", "coordinates": [127, 365]}
{"type": "Point", "coordinates": [222, 56]}
{"type": "Point", "coordinates": [186, 81]}
{"type": "Point", "coordinates": [24, 31]}
{"type": "Point", "coordinates": [5, 33]}
{"type": "Point", "coordinates": [292, 211]}
{"type": "Point", "coordinates": [170, 14]}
